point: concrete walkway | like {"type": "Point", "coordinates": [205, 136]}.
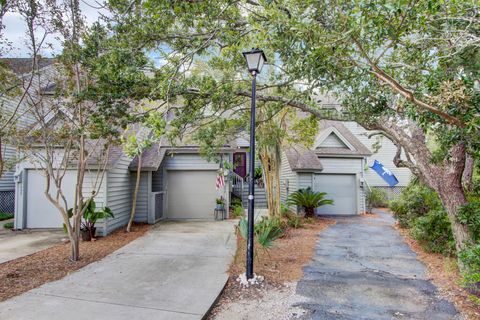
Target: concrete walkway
{"type": "Point", "coordinates": [16, 244]}
{"type": "Point", "coordinates": [363, 270]}
{"type": "Point", "coordinates": [176, 271]}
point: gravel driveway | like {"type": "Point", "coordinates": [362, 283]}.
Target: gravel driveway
{"type": "Point", "coordinates": [363, 270]}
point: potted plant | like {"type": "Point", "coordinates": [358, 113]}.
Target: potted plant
{"type": "Point", "coordinates": [220, 203]}
{"type": "Point", "coordinates": [90, 217]}
{"type": "Point", "coordinates": [258, 176]}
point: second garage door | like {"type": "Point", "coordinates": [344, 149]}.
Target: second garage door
{"type": "Point", "coordinates": [191, 194]}
{"type": "Point", "coordinates": [342, 189]}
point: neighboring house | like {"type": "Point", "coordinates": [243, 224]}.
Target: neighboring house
{"type": "Point", "coordinates": [334, 165]}
{"type": "Point", "coordinates": [21, 67]}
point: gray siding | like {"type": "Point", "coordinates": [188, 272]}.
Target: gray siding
{"type": "Point", "coordinates": [141, 211]}
{"type": "Point", "coordinates": [305, 180]}
{"type": "Point", "coordinates": [119, 194]}
{"type": "Point", "coordinates": [6, 181]}
{"type": "Point", "coordinates": [157, 180]}
{"type": "Point", "coordinates": [333, 141]}
{"type": "Point", "coordinates": [385, 155]}
{"type": "Point", "coordinates": [288, 179]}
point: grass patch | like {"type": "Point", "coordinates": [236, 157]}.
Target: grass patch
{"type": "Point", "coordinates": [5, 216]}
{"type": "Point", "coordinates": [8, 225]}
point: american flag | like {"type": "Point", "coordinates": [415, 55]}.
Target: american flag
{"type": "Point", "coordinates": [220, 182]}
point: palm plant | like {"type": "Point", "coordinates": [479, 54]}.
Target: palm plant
{"type": "Point", "coordinates": [309, 200]}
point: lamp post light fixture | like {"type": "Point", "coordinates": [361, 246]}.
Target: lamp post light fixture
{"type": "Point", "coordinates": [255, 61]}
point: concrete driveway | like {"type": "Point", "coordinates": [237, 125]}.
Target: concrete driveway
{"type": "Point", "coordinates": [16, 244]}
{"type": "Point", "coordinates": [363, 270]}
{"type": "Point", "coordinates": [175, 271]}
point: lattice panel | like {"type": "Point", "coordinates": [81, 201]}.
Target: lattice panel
{"type": "Point", "coordinates": [7, 201]}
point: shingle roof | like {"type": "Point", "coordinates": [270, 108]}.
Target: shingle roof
{"type": "Point", "coordinates": [358, 147]}
{"type": "Point", "coordinates": [302, 159]}
{"type": "Point", "coordinates": [151, 158]}
{"type": "Point", "coordinates": [22, 66]}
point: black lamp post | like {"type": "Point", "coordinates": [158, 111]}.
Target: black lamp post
{"type": "Point", "coordinates": [255, 60]}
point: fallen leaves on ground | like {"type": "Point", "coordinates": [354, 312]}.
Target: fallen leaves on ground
{"type": "Point", "coordinates": [25, 273]}
{"type": "Point", "coordinates": [443, 272]}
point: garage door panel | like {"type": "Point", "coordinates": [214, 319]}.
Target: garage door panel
{"type": "Point", "coordinates": [191, 194]}
{"type": "Point", "coordinates": [40, 212]}
{"type": "Point", "coordinates": [341, 188]}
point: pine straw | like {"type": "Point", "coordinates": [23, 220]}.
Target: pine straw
{"type": "Point", "coordinates": [25, 273]}
{"type": "Point", "coordinates": [443, 272]}
{"type": "Point", "coordinates": [281, 264]}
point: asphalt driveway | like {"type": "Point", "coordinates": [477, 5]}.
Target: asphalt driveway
{"type": "Point", "coordinates": [363, 270]}
{"type": "Point", "coordinates": [175, 271]}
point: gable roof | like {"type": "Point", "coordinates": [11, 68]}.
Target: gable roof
{"type": "Point", "coordinates": [353, 146]}
{"type": "Point", "coordinates": [302, 159]}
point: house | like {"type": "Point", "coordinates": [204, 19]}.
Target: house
{"type": "Point", "coordinates": [334, 165]}
{"type": "Point", "coordinates": [21, 67]}
{"type": "Point", "coordinates": [175, 183]}
{"type": "Point", "coordinates": [178, 183]}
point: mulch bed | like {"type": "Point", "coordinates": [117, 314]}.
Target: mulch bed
{"type": "Point", "coordinates": [25, 273]}
{"type": "Point", "coordinates": [281, 264]}
{"type": "Point", "coordinates": [443, 272]}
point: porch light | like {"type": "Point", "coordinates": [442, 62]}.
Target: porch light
{"type": "Point", "coordinates": [255, 60]}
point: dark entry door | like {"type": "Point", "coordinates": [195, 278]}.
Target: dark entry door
{"type": "Point", "coordinates": [240, 163]}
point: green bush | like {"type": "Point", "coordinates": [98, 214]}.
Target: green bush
{"type": "Point", "coordinates": [309, 200]}
{"type": "Point", "coordinates": [376, 198]}
{"type": "Point", "coordinates": [470, 258]}
{"type": "Point", "coordinates": [266, 230]}
{"type": "Point", "coordinates": [469, 215]}
{"type": "Point", "coordinates": [8, 225]}
{"type": "Point", "coordinates": [415, 201]}
{"type": "Point", "coordinates": [5, 216]}
{"type": "Point", "coordinates": [238, 211]}
{"type": "Point", "coordinates": [294, 221]}
{"type": "Point", "coordinates": [434, 232]}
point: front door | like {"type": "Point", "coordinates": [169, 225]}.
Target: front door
{"type": "Point", "coordinates": [240, 164]}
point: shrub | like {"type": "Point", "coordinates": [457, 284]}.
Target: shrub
{"type": "Point", "coordinates": [284, 209]}
{"type": "Point", "coordinates": [5, 216]}
{"type": "Point", "coordinates": [434, 232]}
{"type": "Point", "coordinates": [238, 211]}
{"type": "Point", "coordinates": [376, 198]}
{"type": "Point", "coordinates": [309, 200]}
{"type": "Point", "coordinates": [294, 221]}
{"type": "Point", "coordinates": [470, 258]}
{"type": "Point", "coordinates": [8, 225]}
{"type": "Point", "coordinates": [469, 215]}
{"type": "Point", "coordinates": [415, 201]}
{"type": "Point", "coordinates": [266, 230]}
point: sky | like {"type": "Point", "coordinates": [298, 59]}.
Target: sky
{"type": "Point", "coordinates": [15, 31]}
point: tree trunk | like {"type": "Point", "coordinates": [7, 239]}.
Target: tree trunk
{"type": "Point", "coordinates": [135, 193]}
{"type": "Point", "coordinates": [75, 246]}
{"type": "Point", "coordinates": [453, 197]}
{"type": "Point", "coordinates": [271, 174]}
{"type": "Point", "coordinates": [467, 177]}
{"type": "Point", "coordinates": [309, 212]}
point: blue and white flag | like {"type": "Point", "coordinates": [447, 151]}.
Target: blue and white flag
{"type": "Point", "coordinates": [386, 174]}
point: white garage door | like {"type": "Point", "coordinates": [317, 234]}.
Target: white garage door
{"type": "Point", "coordinates": [339, 187]}
{"type": "Point", "coordinates": [191, 194]}
{"type": "Point", "coordinates": [40, 212]}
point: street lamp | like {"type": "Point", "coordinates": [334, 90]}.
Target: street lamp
{"type": "Point", "coordinates": [255, 60]}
